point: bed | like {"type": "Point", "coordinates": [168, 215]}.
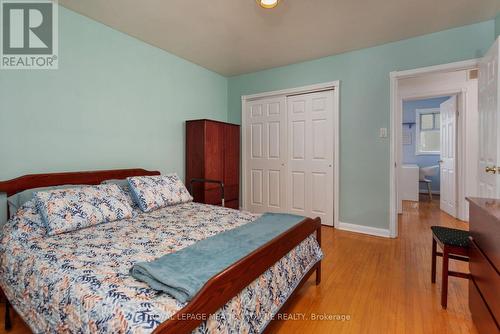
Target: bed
{"type": "Point", "coordinates": [80, 282]}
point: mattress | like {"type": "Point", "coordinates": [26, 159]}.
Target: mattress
{"type": "Point", "coordinates": [79, 281]}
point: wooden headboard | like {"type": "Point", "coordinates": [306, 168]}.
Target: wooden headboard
{"type": "Point", "coordinates": [11, 187]}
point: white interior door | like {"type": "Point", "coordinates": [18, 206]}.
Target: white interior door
{"type": "Point", "coordinates": [265, 133]}
{"type": "Point", "coordinates": [489, 118]}
{"type": "Point", "coordinates": [448, 191]}
{"type": "Point", "coordinates": [310, 155]}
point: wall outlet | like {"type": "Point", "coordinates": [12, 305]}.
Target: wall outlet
{"type": "Point", "coordinates": [383, 133]}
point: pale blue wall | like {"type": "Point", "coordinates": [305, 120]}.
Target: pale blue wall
{"type": "Point", "coordinates": [497, 25]}
{"type": "Point", "coordinates": [114, 102]}
{"type": "Point", "coordinates": [409, 156]}
{"type": "Point", "coordinates": [364, 99]}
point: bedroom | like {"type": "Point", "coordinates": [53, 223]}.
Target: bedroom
{"type": "Point", "coordinates": [128, 78]}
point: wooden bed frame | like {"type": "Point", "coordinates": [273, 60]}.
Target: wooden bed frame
{"type": "Point", "coordinates": [220, 288]}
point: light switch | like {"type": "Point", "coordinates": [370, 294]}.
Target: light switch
{"type": "Point", "coordinates": [383, 133]}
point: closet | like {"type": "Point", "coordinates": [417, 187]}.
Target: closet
{"type": "Point", "coordinates": [213, 153]}
{"type": "Point", "coordinates": [289, 154]}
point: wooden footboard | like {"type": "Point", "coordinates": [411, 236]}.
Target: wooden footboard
{"type": "Point", "coordinates": [227, 284]}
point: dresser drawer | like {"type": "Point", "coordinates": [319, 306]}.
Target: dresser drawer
{"type": "Point", "coordinates": [485, 228]}
{"type": "Point", "coordinates": [484, 321]}
{"type": "Point", "coordinates": [486, 278]}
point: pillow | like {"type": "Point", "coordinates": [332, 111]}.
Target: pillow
{"type": "Point", "coordinates": [154, 192]}
{"type": "Point", "coordinates": [17, 200]}
{"type": "Point", "coordinates": [123, 184]}
{"type": "Point", "coordinates": [25, 225]}
{"type": "Point", "coordinates": [65, 210]}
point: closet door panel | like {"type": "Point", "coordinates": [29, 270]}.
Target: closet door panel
{"type": "Point", "coordinates": [266, 155]}
{"type": "Point", "coordinates": [310, 161]}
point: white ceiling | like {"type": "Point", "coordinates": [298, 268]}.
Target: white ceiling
{"type": "Point", "coordinates": [237, 36]}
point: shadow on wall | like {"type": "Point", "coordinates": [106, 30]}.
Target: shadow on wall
{"type": "Point", "coordinates": [410, 137]}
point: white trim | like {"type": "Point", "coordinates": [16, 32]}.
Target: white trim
{"type": "Point", "coordinates": [456, 66]}
{"type": "Point", "coordinates": [292, 91]}
{"type": "Point", "coordinates": [378, 232]}
{"type": "Point", "coordinates": [335, 85]}
{"type": "Point", "coordinates": [393, 208]}
{"type": "Point", "coordinates": [395, 120]}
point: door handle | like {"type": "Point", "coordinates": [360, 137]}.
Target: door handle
{"type": "Point", "coordinates": [492, 170]}
{"type": "Point", "coordinates": [440, 161]}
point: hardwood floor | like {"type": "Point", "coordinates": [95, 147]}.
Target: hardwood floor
{"type": "Point", "coordinates": [382, 285]}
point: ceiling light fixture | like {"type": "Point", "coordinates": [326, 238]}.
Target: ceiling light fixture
{"type": "Point", "coordinates": [268, 4]}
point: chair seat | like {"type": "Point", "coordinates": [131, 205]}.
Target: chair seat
{"type": "Point", "coordinates": [451, 236]}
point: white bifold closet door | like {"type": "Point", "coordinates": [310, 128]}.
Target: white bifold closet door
{"type": "Point", "coordinates": [266, 155]}
{"type": "Point", "coordinates": [289, 155]}
{"type": "Point", "coordinates": [310, 155]}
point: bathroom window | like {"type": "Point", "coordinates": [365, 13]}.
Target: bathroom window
{"type": "Point", "coordinates": [428, 139]}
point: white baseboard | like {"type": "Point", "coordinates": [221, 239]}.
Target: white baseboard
{"type": "Point", "coordinates": [379, 232]}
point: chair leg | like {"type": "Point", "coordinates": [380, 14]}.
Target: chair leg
{"type": "Point", "coordinates": [444, 281]}
{"type": "Point", "coordinates": [8, 322]}
{"type": "Point", "coordinates": [433, 268]}
{"type": "Point", "coordinates": [429, 189]}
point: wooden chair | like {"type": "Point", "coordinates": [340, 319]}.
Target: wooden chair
{"type": "Point", "coordinates": [455, 245]}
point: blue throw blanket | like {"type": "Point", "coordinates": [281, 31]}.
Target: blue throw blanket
{"type": "Point", "coordinates": [182, 274]}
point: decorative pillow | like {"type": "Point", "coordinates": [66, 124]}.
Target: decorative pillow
{"type": "Point", "coordinates": [65, 210]}
{"type": "Point", "coordinates": [16, 201]}
{"type": "Point", "coordinates": [123, 184]}
{"type": "Point", "coordinates": [25, 225]}
{"type": "Point", "coordinates": [154, 192]}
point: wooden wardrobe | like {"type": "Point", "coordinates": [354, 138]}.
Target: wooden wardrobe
{"type": "Point", "coordinates": [213, 152]}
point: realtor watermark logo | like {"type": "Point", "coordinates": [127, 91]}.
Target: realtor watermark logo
{"type": "Point", "coordinates": [29, 38]}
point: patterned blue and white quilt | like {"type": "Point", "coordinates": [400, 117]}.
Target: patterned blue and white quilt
{"type": "Point", "coordinates": [79, 282]}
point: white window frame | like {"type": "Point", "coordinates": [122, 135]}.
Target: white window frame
{"type": "Point", "coordinates": [418, 113]}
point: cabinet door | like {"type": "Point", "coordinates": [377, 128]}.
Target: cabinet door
{"type": "Point", "coordinates": [214, 160]}
{"type": "Point", "coordinates": [195, 151]}
{"type": "Point", "coordinates": [231, 161]}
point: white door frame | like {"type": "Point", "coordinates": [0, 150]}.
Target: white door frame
{"type": "Point", "coordinates": [335, 85]}
{"type": "Point", "coordinates": [396, 119]}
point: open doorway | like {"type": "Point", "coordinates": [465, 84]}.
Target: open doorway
{"type": "Point", "coordinates": [434, 121]}
{"type": "Point", "coordinates": [429, 146]}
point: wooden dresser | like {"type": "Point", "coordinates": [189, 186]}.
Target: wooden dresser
{"type": "Point", "coordinates": [213, 152]}
{"type": "Point", "coordinates": [484, 287]}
